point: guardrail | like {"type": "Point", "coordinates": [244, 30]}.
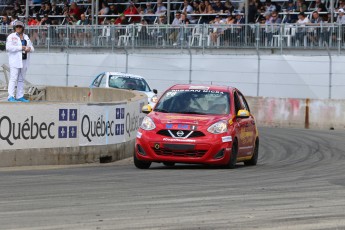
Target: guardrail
{"type": "Point", "coordinates": [202, 36]}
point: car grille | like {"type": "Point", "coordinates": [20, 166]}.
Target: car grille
{"type": "Point", "coordinates": [194, 134]}
{"type": "Point", "coordinates": [188, 153]}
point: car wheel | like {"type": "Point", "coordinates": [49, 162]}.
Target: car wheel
{"type": "Point", "coordinates": [254, 159]}
{"type": "Point", "coordinates": [169, 164]}
{"type": "Point", "coordinates": [233, 156]}
{"type": "Point", "coordinates": [141, 164]}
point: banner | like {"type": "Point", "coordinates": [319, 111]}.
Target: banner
{"type": "Point", "coordinates": [24, 126]}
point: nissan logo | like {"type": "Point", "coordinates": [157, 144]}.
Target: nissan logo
{"type": "Point", "coordinates": [180, 133]}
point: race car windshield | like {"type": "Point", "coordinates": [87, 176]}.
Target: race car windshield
{"type": "Point", "coordinates": [131, 83]}
{"type": "Point", "coordinates": [194, 102]}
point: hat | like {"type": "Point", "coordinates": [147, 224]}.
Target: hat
{"type": "Point", "coordinates": [341, 10]}
{"type": "Point", "coordinates": [290, 1]}
{"type": "Point", "coordinates": [217, 16]}
{"type": "Point", "coordinates": [229, 14]}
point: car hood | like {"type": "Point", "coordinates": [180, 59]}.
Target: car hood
{"type": "Point", "coordinates": [192, 119]}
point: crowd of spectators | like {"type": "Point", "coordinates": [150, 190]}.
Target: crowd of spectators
{"type": "Point", "coordinates": [197, 11]}
{"type": "Point", "coordinates": [215, 12]}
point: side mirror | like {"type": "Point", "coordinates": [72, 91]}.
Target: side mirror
{"type": "Point", "coordinates": [155, 91]}
{"type": "Point", "coordinates": [243, 114]}
{"type": "Point", "coordinates": [146, 109]}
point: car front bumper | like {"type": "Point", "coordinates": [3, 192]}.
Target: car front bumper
{"type": "Point", "coordinates": [212, 149]}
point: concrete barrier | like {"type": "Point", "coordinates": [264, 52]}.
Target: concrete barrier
{"type": "Point", "coordinates": [298, 113]}
{"type": "Point", "coordinates": [71, 126]}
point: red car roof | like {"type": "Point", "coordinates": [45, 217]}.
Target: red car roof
{"type": "Point", "coordinates": [208, 87]}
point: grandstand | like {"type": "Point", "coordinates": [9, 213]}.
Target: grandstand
{"type": "Point", "coordinates": [207, 24]}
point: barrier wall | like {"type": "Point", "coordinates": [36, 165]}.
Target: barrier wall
{"type": "Point", "coordinates": [298, 113]}
{"type": "Point", "coordinates": [268, 75]}
{"type": "Point", "coordinates": [84, 126]}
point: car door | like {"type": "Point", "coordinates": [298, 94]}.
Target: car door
{"type": "Point", "coordinates": [248, 129]}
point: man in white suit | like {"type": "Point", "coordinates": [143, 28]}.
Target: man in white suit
{"type": "Point", "coordinates": [18, 47]}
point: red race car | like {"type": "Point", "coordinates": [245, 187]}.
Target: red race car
{"type": "Point", "coordinates": [198, 125]}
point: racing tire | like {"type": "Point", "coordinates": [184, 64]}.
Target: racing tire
{"type": "Point", "coordinates": [169, 164]}
{"type": "Point", "coordinates": [141, 164]}
{"type": "Point", "coordinates": [254, 160]}
{"type": "Point", "coordinates": [233, 156]}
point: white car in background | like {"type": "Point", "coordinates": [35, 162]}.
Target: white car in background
{"type": "Point", "coordinates": [125, 81]}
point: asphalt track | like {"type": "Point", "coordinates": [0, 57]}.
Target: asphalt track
{"type": "Point", "coordinates": [298, 184]}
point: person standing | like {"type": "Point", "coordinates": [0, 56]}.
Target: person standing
{"type": "Point", "coordinates": [18, 47]}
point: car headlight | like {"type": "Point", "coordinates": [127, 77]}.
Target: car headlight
{"type": "Point", "coordinates": [218, 127]}
{"type": "Point", "coordinates": [147, 124]}
{"type": "Point", "coordinates": [154, 99]}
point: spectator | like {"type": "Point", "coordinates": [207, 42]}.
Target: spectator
{"type": "Point", "coordinates": [148, 8]}
{"type": "Point", "coordinates": [218, 7]}
{"type": "Point", "coordinates": [132, 10]}
{"type": "Point", "coordinates": [301, 30]}
{"type": "Point", "coordinates": [150, 19]}
{"type": "Point", "coordinates": [161, 9]}
{"type": "Point", "coordinates": [270, 7]}
{"type": "Point", "coordinates": [188, 9]}
{"type": "Point", "coordinates": [14, 18]}
{"type": "Point", "coordinates": [105, 9]}
{"type": "Point", "coordinates": [217, 29]}
{"type": "Point", "coordinates": [45, 20]}
{"type": "Point", "coordinates": [341, 17]}
{"type": "Point", "coordinates": [341, 5]}
{"type": "Point", "coordinates": [18, 46]}
{"type": "Point", "coordinates": [75, 11]}
{"type": "Point", "coordinates": [271, 27]}
{"type": "Point", "coordinates": [83, 20]}
{"type": "Point", "coordinates": [162, 20]}
{"type": "Point", "coordinates": [202, 7]}
{"type": "Point", "coordinates": [290, 18]}
{"type": "Point", "coordinates": [102, 12]}
{"type": "Point", "coordinates": [208, 7]}
{"type": "Point", "coordinates": [195, 6]}
{"type": "Point", "coordinates": [122, 20]}
{"type": "Point", "coordinates": [301, 6]}
{"type": "Point", "coordinates": [42, 9]}
{"type": "Point", "coordinates": [252, 12]}
{"type": "Point", "coordinates": [32, 21]}
{"type": "Point", "coordinates": [5, 20]}
{"type": "Point", "coordinates": [176, 23]}
{"type": "Point", "coordinates": [229, 7]}
{"type": "Point", "coordinates": [317, 5]}
{"type": "Point", "coordinates": [47, 9]}
{"type": "Point", "coordinates": [55, 10]}
{"type": "Point", "coordinates": [314, 33]}
{"type": "Point", "coordinates": [113, 10]}
{"type": "Point", "coordinates": [17, 10]}
{"type": "Point", "coordinates": [183, 32]}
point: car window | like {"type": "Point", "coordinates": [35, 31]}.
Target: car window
{"type": "Point", "coordinates": [194, 102]}
{"type": "Point", "coordinates": [243, 101]}
{"type": "Point", "coordinates": [238, 104]}
{"type": "Point", "coordinates": [98, 80]}
{"type": "Point", "coordinates": [125, 82]}
{"type": "Point", "coordinates": [103, 82]}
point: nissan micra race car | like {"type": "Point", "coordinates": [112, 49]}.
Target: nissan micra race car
{"type": "Point", "coordinates": [198, 125]}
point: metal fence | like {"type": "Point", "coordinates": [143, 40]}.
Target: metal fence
{"type": "Point", "coordinates": [202, 36]}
